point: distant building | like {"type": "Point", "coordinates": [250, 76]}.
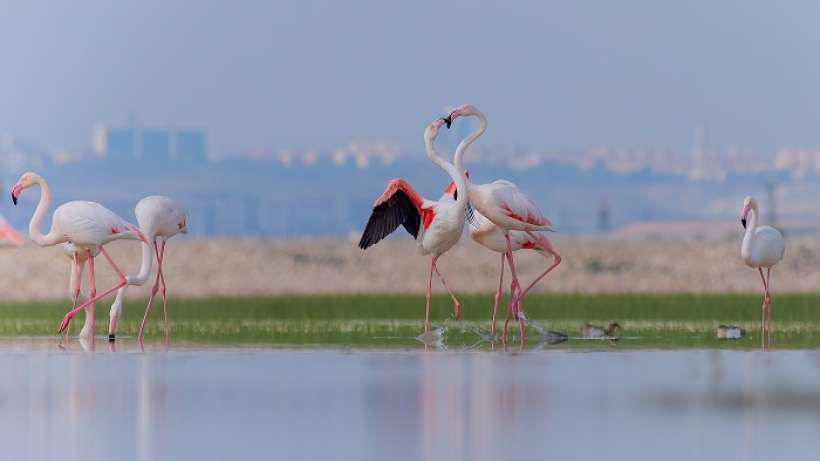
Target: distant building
{"type": "Point", "coordinates": [156, 144]}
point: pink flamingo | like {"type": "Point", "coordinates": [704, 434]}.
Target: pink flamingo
{"type": "Point", "coordinates": [505, 206]}
{"type": "Point", "coordinates": [7, 233]}
{"type": "Point", "coordinates": [436, 225]}
{"type": "Point", "coordinates": [87, 225]}
{"type": "Point", "coordinates": [490, 236]}
{"type": "Point", "coordinates": [159, 218]}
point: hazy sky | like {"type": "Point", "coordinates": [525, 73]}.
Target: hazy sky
{"type": "Point", "coordinates": [320, 73]}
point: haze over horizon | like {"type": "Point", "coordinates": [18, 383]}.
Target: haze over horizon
{"type": "Point", "coordinates": [320, 73]}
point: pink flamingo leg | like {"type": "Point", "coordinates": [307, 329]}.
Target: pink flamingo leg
{"type": "Point", "coordinates": [514, 290]}
{"type": "Point", "coordinates": [769, 302]}
{"type": "Point", "coordinates": [497, 296]}
{"type": "Point", "coordinates": [514, 297]}
{"type": "Point", "coordinates": [164, 294]}
{"type": "Point", "coordinates": [763, 309]}
{"type": "Point", "coordinates": [427, 296]}
{"type": "Point", "coordinates": [92, 293]}
{"type": "Point", "coordinates": [545, 246]}
{"type": "Point", "coordinates": [122, 282]}
{"type": "Point", "coordinates": [153, 294]}
{"type": "Point", "coordinates": [456, 303]}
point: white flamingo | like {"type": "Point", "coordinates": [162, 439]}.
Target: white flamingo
{"type": "Point", "coordinates": [159, 218]}
{"type": "Point", "coordinates": [87, 225]}
{"type": "Point", "coordinates": [436, 225]}
{"type": "Point", "coordinates": [504, 205]}
{"type": "Point", "coordinates": [762, 247]}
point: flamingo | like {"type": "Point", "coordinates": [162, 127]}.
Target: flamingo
{"type": "Point", "coordinates": [762, 247]}
{"type": "Point", "coordinates": [436, 225]}
{"type": "Point", "coordinates": [87, 225]}
{"type": "Point", "coordinates": [159, 218]}
{"type": "Point", "coordinates": [7, 233]}
{"type": "Point", "coordinates": [505, 206]}
{"type": "Point", "coordinates": [490, 236]}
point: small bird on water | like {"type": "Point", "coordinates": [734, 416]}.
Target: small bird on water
{"type": "Point", "coordinates": [730, 332]}
{"type": "Point", "coordinates": [590, 331]}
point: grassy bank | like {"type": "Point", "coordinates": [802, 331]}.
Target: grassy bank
{"type": "Point", "coordinates": [651, 320]}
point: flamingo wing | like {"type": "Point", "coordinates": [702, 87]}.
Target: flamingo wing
{"type": "Point", "coordinates": [400, 204]}
{"type": "Point", "coordinates": [516, 205]}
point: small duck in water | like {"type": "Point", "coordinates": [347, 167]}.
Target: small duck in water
{"type": "Point", "coordinates": [730, 332]}
{"type": "Point", "coordinates": [590, 331]}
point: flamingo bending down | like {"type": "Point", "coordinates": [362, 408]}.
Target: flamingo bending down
{"type": "Point", "coordinates": [762, 247]}
{"type": "Point", "coordinates": [436, 225]}
{"type": "Point", "coordinates": [159, 218]}
{"type": "Point", "coordinates": [503, 204]}
{"type": "Point", "coordinates": [87, 225]}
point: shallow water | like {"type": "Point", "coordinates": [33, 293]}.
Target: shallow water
{"type": "Point", "coordinates": [193, 402]}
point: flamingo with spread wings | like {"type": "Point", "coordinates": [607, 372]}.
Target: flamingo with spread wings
{"type": "Point", "coordinates": [436, 225]}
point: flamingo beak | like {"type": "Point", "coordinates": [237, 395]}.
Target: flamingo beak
{"type": "Point", "coordinates": [15, 192]}
{"type": "Point", "coordinates": [743, 215]}
{"type": "Point", "coordinates": [448, 120]}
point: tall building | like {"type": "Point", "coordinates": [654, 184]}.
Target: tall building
{"type": "Point", "coordinates": [156, 144]}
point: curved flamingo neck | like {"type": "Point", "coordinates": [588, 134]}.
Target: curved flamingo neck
{"type": "Point", "coordinates": [750, 229]}
{"type": "Point", "coordinates": [145, 265]}
{"type": "Point", "coordinates": [458, 159]}
{"type": "Point", "coordinates": [39, 214]}
{"type": "Point", "coordinates": [456, 175]}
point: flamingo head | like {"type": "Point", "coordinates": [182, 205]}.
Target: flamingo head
{"type": "Point", "coordinates": [748, 204]}
{"type": "Point", "coordinates": [182, 225]}
{"type": "Point", "coordinates": [431, 132]}
{"type": "Point", "coordinates": [27, 180]}
{"type": "Point", "coordinates": [463, 110]}
{"type": "Point", "coordinates": [452, 189]}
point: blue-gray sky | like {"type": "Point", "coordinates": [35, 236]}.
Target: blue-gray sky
{"type": "Point", "coordinates": [319, 73]}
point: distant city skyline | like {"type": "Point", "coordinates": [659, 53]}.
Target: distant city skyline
{"type": "Point", "coordinates": [319, 74]}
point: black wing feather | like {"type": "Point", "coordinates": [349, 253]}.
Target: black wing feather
{"type": "Point", "coordinates": [387, 216]}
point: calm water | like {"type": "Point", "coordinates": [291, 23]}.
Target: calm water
{"type": "Point", "coordinates": [213, 403]}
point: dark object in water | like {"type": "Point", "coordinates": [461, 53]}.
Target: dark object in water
{"type": "Point", "coordinates": [730, 332]}
{"type": "Point", "coordinates": [591, 331]}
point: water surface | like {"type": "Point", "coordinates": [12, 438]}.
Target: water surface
{"type": "Point", "coordinates": [195, 402]}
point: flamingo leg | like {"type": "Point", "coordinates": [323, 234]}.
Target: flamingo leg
{"type": "Point", "coordinates": [545, 246]}
{"type": "Point", "coordinates": [164, 295]}
{"type": "Point", "coordinates": [769, 303]}
{"type": "Point", "coordinates": [763, 308]}
{"type": "Point", "coordinates": [427, 296]}
{"type": "Point", "coordinates": [95, 297]}
{"type": "Point", "coordinates": [151, 297]}
{"type": "Point", "coordinates": [515, 288]}
{"type": "Point", "coordinates": [456, 303]}
{"type": "Point", "coordinates": [497, 295]}
{"type": "Point", "coordinates": [88, 328]}
{"type": "Point", "coordinates": [514, 297]}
